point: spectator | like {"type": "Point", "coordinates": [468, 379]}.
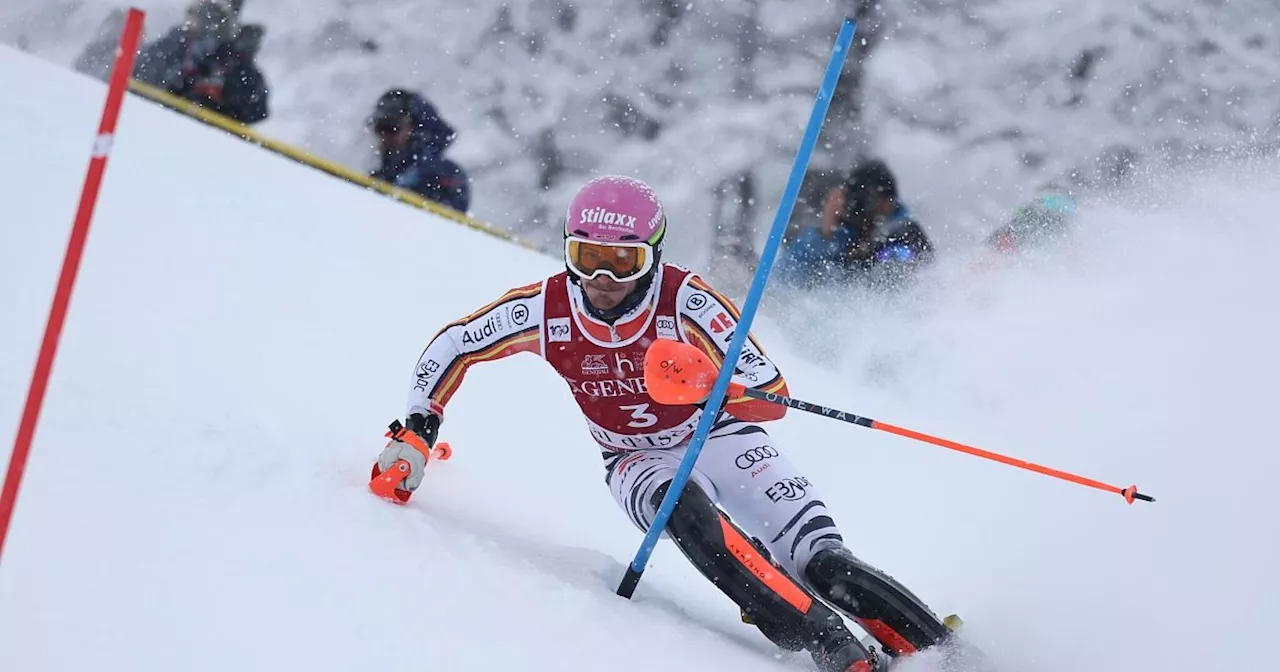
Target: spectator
{"type": "Point", "coordinates": [817, 255]}
{"type": "Point", "coordinates": [814, 189]}
{"type": "Point", "coordinates": [209, 60]}
{"type": "Point", "coordinates": [887, 236]}
{"type": "Point", "coordinates": [412, 139]}
{"type": "Point", "coordinates": [865, 232]}
{"type": "Point", "coordinates": [1046, 217]}
{"type": "Point", "coordinates": [100, 54]}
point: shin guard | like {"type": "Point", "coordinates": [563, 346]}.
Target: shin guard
{"type": "Point", "coordinates": [781, 608]}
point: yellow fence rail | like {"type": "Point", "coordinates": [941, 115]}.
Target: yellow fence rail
{"type": "Point", "coordinates": [306, 158]}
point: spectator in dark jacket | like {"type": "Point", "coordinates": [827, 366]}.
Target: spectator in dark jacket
{"type": "Point", "coordinates": [865, 232]}
{"type": "Point", "coordinates": [890, 244]}
{"type": "Point", "coordinates": [412, 139]}
{"type": "Point", "coordinates": [209, 60]}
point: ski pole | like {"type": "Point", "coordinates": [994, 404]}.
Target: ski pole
{"type": "Point", "coordinates": [384, 484]}
{"type": "Point", "coordinates": [1130, 493]}
{"type": "Point", "coordinates": [679, 373]}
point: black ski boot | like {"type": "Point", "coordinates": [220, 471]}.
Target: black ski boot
{"type": "Point", "coordinates": [883, 607]}
{"type": "Point", "coordinates": [837, 650]}
{"type": "Point", "coordinates": [832, 646]}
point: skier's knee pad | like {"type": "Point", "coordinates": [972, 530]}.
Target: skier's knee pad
{"type": "Point", "coordinates": [881, 605]}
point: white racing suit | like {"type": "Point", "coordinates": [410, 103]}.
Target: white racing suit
{"type": "Point", "coordinates": [746, 475]}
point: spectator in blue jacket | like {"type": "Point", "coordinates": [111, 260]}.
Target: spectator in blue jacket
{"type": "Point", "coordinates": [412, 139]}
{"type": "Point", "coordinates": [865, 233]}
{"type": "Point", "coordinates": [816, 255]}
{"type": "Point", "coordinates": [209, 60]}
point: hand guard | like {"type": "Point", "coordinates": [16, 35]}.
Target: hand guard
{"type": "Point", "coordinates": [396, 451]}
{"type": "Point", "coordinates": [412, 448]}
{"type": "Point", "coordinates": [678, 374]}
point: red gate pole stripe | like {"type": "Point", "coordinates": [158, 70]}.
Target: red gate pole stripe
{"type": "Point", "coordinates": [119, 83]}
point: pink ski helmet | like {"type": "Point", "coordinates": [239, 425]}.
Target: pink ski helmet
{"type": "Point", "coordinates": [614, 226]}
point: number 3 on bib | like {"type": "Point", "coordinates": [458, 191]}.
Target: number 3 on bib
{"type": "Point", "coordinates": [640, 416]}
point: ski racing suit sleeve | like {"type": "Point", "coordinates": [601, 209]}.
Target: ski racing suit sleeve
{"type": "Point", "coordinates": [503, 328]}
{"type": "Point", "coordinates": [707, 321]}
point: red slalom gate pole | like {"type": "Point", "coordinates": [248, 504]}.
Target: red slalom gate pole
{"type": "Point", "coordinates": [116, 89]}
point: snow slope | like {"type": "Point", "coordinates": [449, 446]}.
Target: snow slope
{"type": "Point", "coordinates": [196, 499]}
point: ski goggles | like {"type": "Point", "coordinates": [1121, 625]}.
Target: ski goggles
{"type": "Point", "coordinates": [623, 262]}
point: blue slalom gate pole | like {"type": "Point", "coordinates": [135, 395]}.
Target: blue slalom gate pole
{"type": "Point", "coordinates": [789, 195]}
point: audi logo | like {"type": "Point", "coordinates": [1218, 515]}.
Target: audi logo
{"type": "Point", "coordinates": [757, 454]}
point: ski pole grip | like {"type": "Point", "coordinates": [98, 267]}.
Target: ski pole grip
{"type": "Point", "coordinates": [399, 432]}
{"type": "Point", "coordinates": [405, 436]}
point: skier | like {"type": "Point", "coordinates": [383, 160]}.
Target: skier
{"type": "Point", "coordinates": [593, 322]}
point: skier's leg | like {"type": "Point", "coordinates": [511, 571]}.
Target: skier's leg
{"type": "Point", "coordinates": [764, 493]}
{"type": "Point", "coordinates": [785, 610]}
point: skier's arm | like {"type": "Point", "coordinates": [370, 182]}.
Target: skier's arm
{"type": "Point", "coordinates": [509, 325]}
{"type": "Point", "coordinates": [708, 320]}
